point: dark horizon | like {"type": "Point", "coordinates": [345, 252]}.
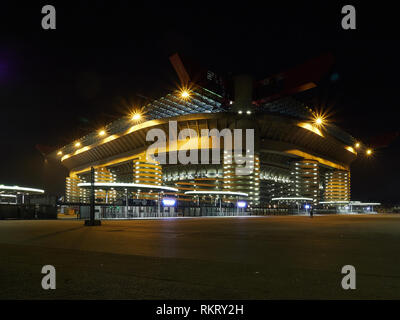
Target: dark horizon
{"type": "Point", "coordinates": [55, 85]}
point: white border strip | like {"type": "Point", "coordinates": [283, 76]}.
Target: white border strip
{"type": "Point", "coordinates": [292, 198]}
{"type": "Point", "coordinates": [127, 185]}
{"type": "Point", "coordinates": [16, 188]}
{"type": "Point", "coordinates": [8, 195]}
{"type": "Point", "coordinates": [225, 193]}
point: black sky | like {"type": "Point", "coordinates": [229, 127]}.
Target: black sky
{"type": "Point", "coordinates": [55, 85]}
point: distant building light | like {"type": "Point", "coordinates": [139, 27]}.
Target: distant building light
{"type": "Point", "coordinates": [167, 202]}
{"type": "Point", "coordinates": [241, 204]}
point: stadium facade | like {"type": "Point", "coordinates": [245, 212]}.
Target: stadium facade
{"type": "Point", "coordinates": [295, 157]}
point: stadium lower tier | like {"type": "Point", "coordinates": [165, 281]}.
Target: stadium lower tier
{"type": "Point", "coordinates": [274, 178]}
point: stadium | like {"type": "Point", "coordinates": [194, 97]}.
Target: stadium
{"type": "Point", "coordinates": [300, 160]}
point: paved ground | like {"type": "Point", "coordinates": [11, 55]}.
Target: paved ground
{"type": "Point", "coordinates": [203, 258]}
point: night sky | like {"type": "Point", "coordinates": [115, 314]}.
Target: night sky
{"type": "Point", "coordinates": [105, 56]}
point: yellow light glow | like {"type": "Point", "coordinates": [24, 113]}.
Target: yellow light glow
{"type": "Point", "coordinates": [368, 152]}
{"type": "Point", "coordinates": [185, 94]}
{"type": "Point", "coordinates": [65, 157]}
{"type": "Point", "coordinates": [78, 144]}
{"type": "Point", "coordinates": [311, 128]}
{"type": "Point", "coordinates": [319, 121]}
{"type": "Point", "coordinates": [102, 133]}
{"type": "Point", "coordinates": [82, 150]}
{"type": "Point", "coordinates": [136, 116]}
{"type": "Point", "coordinates": [357, 145]}
{"type": "Point", "coordinates": [320, 118]}
{"type": "Point", "coordinates": [351, 149]}
{"type": "Point", "coordinates": [59, 153]}
{"type": "Point", "coordinates": [110, 138]}
{"type": "Point", "coordinates": [320, 160]}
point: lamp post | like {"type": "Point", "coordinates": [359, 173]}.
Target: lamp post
{"type": "Point", "coordinates": [92, 221]}
{"type": "Point", "coordinates": [126, 203]}
{"type": "Point", "coordinates": [92, 196]}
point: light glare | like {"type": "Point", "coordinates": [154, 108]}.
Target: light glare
{"type": "Point", "coordinates": [241, 204]}
{"type": "Point", "coordinates": [185, 94]}
{"type": "Point", "coordinates": [168, 202]}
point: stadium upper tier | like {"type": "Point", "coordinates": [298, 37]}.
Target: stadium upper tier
{"type": "Point", "coordinates": [202, 101]}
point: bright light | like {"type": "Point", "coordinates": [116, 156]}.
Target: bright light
{"type": "Point", "coordinates": [125, 185]}
{"type": "Point", "coordinates": [310, 127]}
{"type": "Point", "coordinates": [185, 94]}
{"type": "Point", "coordinates": [168, 202]}
{"type": "Point", "coordinates": [320, 118]}
{"type": "Point", "coordinates": [307, 206]}
{"type": "Point", "coordinates": [369, 152]}
{"type": "Point", "coordinates": [248, 112]}
{"type": "Point", "coordinates": [225, 193]}
{"type": "Point", "coordinates": [102, 133]}
{"type": "Point", "coordinates": [319, 121]}
{"type": "Point", "coordinates": [240, 111]}
{"type": "Point", "coordinates": [357, 145]}
{"type": "Point", "coordinates": [16, 188]}
{"type": "Point", "coordinates": [136, 116]}
{"type": "Point", "coordinates": [59, 153]}
{"type": "Point", "coordinates": [351, 149]}
{"type": "Point", "coordinates": [241, 204]}
{"type": "Point", "coordinates": [78, 144]}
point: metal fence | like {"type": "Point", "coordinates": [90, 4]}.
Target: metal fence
{"type": "Point", "coordinates": [27, 211]}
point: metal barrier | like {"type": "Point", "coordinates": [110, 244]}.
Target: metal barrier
{"type": "Point", "coordinates": [27, 211]}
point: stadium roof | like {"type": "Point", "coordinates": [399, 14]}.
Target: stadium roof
{"type": "Point", "coordinates": [205, 101]}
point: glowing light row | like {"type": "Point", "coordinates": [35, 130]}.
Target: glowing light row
{"type": "Point", "coordinates": [292, 198]}
{"type": "Point", "coordinates": [16, 188]}
{"type": "Point", "coordinates": [126, 185]}
{"type": "Point", "coordinates": [224, 193]}
{"type": "Point", "coordinates": [136, 116]}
